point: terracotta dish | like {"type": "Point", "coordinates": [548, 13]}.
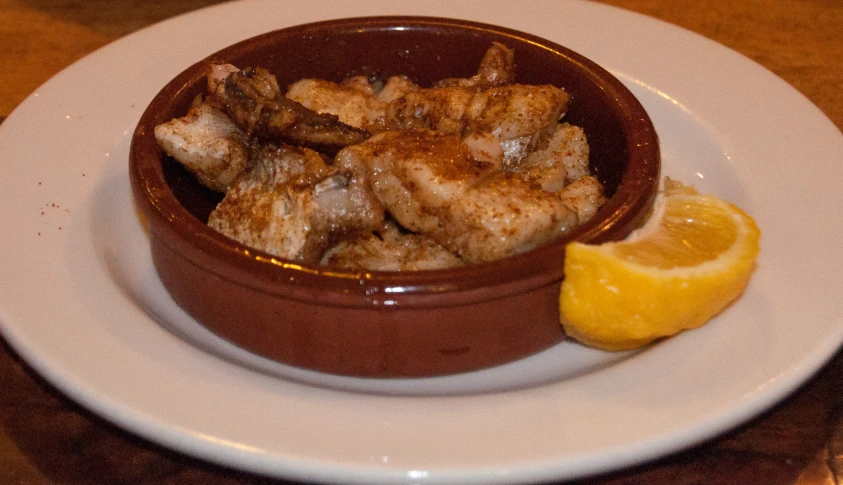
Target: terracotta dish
{"type": "Point", "coordinates": [387, 324]}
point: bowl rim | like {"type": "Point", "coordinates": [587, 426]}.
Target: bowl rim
{"type": "Point", "coordinates": [262, 271]}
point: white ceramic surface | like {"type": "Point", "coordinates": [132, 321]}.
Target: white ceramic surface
{"type": "Point", "coordinates": [80, 301]}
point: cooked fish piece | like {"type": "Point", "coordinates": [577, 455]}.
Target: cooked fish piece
{"type": "Point", "coordinates": [252, 98]}
{"type": "Point", "coordinates": [356, 101]}
{"type": "Point", "coordinates": [497, 68]}
{"type": "Point", "coordinates": [216, 74]}
{"type": "Point", "coordinates": [456, 192]}
{"type": "Point", "coordinates": [566, 148]}
{"type": "Point", "coordinates": [208, 144]}
{"type": "Point", "coordinates": [351, 103]}
{"type": "Point", "coordinates": [294, 205]}
{"type": "Point", "coordinates": [519, 115]}
{"type": "Point", "coordinates": [390, 249]}
{"type": "Point", "coordinates": [358, 83]}
{"type": "Point", "coordinates": [584, 196]}
{"type": "Point", "coordinates": [395, 87]}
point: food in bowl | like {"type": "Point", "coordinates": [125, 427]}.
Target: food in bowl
{"type": "Point", "coordinates": [384, 174]}
{"type": "Point", "coordinates": [387, 323]}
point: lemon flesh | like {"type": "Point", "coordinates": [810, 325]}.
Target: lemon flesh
{"type": "Point", "coordinates": [692, 258]}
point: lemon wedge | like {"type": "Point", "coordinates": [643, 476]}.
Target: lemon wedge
{"type": "Point", "coordinates": [693, 256]}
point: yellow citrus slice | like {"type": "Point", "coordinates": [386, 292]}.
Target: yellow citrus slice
{"type": "Point", "coordinates": [691, 259]}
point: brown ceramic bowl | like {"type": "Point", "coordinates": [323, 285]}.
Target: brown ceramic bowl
{"type": "Point", "coordinates": [387, 324]}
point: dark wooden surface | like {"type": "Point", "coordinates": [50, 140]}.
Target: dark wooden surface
{"type": "Point", "coordinates": [46, 438]}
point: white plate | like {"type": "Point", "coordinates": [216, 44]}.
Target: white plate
{"type": "Point", "coordinates": [79, 299]}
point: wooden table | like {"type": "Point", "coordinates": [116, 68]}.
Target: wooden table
{"type": "Point", "coordinates": [46, 438]}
